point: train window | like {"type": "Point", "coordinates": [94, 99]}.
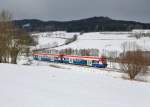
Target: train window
{"type": "Point", "coordinates": [75, 59]}
{"type": "Point", "coordinates": [95, 62]}
{"type": "Point", "coordinates": [67, 59]}
{"type": "Point", "coordinates": [55, 58]}
{"type": "Point", "coordinates": [78, 60]}
{"type": "Point", "coordinates": [59, 58]}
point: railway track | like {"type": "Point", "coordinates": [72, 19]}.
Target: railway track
{"type": "Point", "coordinates": [80, 67]}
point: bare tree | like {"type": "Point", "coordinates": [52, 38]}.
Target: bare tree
{"type": "Point", "coordinates": [133, 60]}
{"type": "Point", "coordinates": [19, 44]}
{"type": "Point", "coordinates": [5, 32]}
{"type": "Point", "coordinates": [13, 40]}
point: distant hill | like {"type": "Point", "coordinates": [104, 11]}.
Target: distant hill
{"type": "Point", "coordinates": [84, 25]}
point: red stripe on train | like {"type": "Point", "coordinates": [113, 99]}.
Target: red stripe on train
{"type": "Point", "coordinates": [71, 56]}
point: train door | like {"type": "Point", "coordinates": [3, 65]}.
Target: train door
{"type": "Point", "coordinates": [35, 57]}
{"type": "Point", "coordinates": [40, 58]}
{"type": "Point", "coordinates": [70, 60]}
{"type": "Point", "coordinates": [52, 59]}
{"type": "Point", "coordinates": [89, 62]}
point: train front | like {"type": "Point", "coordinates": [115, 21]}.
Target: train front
{"type": "Point", "coordinates": [103, 61]}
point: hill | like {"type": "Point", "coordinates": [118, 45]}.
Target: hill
{"type": "Point", "coordinates": [93, 24]}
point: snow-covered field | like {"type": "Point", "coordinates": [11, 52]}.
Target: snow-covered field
{"type": "Point", "coordinates": [106, 42]}
{"type": "Point", "coordinates": [45, 86]}
{"type": "Point", "coordinates": [59, 85]}
{"type": "Point", "coordinates": [51, 39]}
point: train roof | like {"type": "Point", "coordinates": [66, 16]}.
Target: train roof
{"type": "Point", "coordinates": [85, 57]}
{"type": "Point", "coordinates": [72, 56]}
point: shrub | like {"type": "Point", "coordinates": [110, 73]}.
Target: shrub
{"type": "Point", "coordinates": [133, 63]}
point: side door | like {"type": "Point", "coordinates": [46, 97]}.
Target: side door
{"type": "Point", "coordinates": [89, 62]}
{"type": "Point", "coordinates": [71, 60]}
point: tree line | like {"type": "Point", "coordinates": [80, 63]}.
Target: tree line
{"type": "Point", "coordinates": [94, 24]}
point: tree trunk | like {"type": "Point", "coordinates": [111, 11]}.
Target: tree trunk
{"type": "Point", "coordinates": [14, 54]}
{"type": "Point", "coordinates": [14, 59]}
{"type": "Point", "coordinates": [0, 59]}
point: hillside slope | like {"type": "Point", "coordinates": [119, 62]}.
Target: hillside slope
{"type": "Point", "coordinates": [108, 43]}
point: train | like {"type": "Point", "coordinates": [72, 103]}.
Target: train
{"type": "Point", "coordinates": [91, 61]}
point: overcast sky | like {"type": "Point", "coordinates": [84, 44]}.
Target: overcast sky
{"type": "Point", "coordinates": [62, 10]}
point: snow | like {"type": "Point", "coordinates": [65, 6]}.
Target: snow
{"type": "Point", "coordinates": [106, 41]}
{"type": "Point", "coordinates": [51, 39]}
{"type": "Point", "coordinates": [60, 85]}
{"type": "Point", "coordinates": [145, 31]}
{"type": "Point", "coordinates": [45, 86]}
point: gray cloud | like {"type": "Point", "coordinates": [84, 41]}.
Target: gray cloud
{"type": "Point", "coordinates": [137, 10]}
